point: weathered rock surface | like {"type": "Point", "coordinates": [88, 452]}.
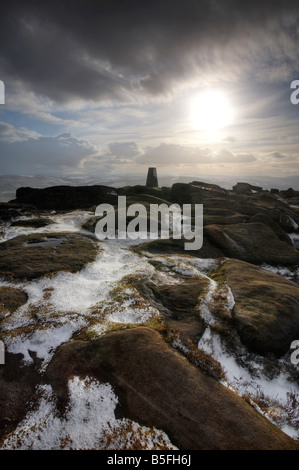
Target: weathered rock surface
{"type": "Point", "coordinates": [246, 188]}
{"type": "Point", "coordinates": [266, 310]}
{"type": "Point", "coordinates": [271, 222]}
{"type": "Point", "coordinates": [155, 384]}
{"type": "Point", "coordinates": [177, 303]}
{"type": "Point", "coordinates": [34, 223]}
{"type": "Point", "coordinates": [253, 242]}
{"type": "Point", "coordinates": [17, 388]}
{"type": "Point", "coordinates": [32, 256]}
{"type": "Point", "coordinates": [11, 299]}
{"type": "Point", "coordinates": [9, 211]}
{"type": "Point", "coordinates": [222, 217]}
{"type": "Point", "coordinates": [67, 197]}
{"type": "Point", "coordinates": [158, 387]}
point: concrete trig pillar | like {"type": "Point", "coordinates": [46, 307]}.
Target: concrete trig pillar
{"type": "Point", "coordinates": [152, 179]}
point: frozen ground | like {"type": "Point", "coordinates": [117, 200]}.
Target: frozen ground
{"type": "Point", "coordinates": [88, 424]}
{"type": "Point", "coordinates": [98, 298]}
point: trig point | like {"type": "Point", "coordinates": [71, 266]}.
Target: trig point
{"type": "Point", "coordinates": [152, 179]}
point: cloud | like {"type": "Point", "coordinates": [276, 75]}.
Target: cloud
{"type": "Point", "coordinates": [10, 134]}
{"type": "Point", "coordinates": [124, 149]}
{"type": "Point", "coordinates": [178, 155]}
{"type": "Point", "coordinates": [229, 139]}
{"type": "Point", "coordinates": [134, 51]}
{"type": "Point", "coordinates": [23, 151]}
{"type": "Point", "coordinates": [276, 155]}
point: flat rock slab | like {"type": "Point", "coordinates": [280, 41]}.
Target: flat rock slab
{"type": "Point", "coordinates": [17, 388]}
{"type": "Point", "coordinates": [253, 242]}
{"type": "Point", "coordinates": [159, 387]}
{"type": "Point", "coordinates": [176, 303]}
{"type": "Point", "coordinates": [35, 223]}
{"type": "Point", "coordinates": [66, 197]}
{"type": "Point", "coordinates": [11, 299]}
{"type": "Point", "coordinates": [31, 256]}
{"type": "Point", "coordinates": [266, 310]}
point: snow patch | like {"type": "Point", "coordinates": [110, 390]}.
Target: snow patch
{"type": "Point", "coordinates": [250, 381]}
{"type": "Point", "coordinates": [89, 423]}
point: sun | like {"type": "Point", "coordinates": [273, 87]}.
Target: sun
{"type": "Point", "coordinates": [210, 111]}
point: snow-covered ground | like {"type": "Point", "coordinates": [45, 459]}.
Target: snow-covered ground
{"type": "Point", "coordinates": [89, 423]}
{"type": "Point", "coordinates": [66, 302]}
{"type": "Point", "coordinates": [101, 295]}
{"type": "Point", "coordinates": [276, 397]}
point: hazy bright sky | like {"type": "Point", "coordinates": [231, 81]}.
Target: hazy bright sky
{"type": "Point", "coordinates": [191, 87]}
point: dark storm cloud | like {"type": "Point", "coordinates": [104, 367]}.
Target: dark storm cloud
{"type": "Point", "coordinates": [138, 50]}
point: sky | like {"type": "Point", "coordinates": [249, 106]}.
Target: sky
{"type": "Point", "coordinates": [192, 87]}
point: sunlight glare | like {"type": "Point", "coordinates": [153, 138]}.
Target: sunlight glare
{"type": "Point", "coordinates": [210, 111]}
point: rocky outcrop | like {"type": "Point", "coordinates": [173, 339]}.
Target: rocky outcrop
{"type": "Point", "coordinates": [246, 188]}
{"type": "Point", "coordinates": [32, 256]}
{"type": "Point", "coordinates": [274, 225]}
{"type": "Point", "coordinates": [11, 299]}
{"type": "Point", "coordinates": [17, 388]}
{"type": "Point", "coordinates": [208, 186]}
{"type": "Point", "coordinates": [253, 242]}
{"type": "Point", "coordinates": [67, 197]}
{"type": "Point", "coordinates": [158, 387]}
{"type": "Point", "coordinates": [231, 307]}
{"type": "Point", "coordinates": [34, 223]}
{"type": "Point", "coordinates": [10, 211]}
{"type": "Point", "coordinates": [172, 246]}
{"type": "Point", "coordinates": [266, 310]}
{"type": "Point", "coordinates": [177, 303]}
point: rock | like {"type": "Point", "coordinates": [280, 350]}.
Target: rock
{"type": "Point", "coordinates": [266, 311]}
{"type": "Point", "coordinates": [176, 303]}
{"type": "Point", "coordinates": [67, 197]}
{"type": "Point", "coordinates": [35, 223]}
{"type": "Point", "coordinates": [289, 193]}
{"type": "Point", "coordinates": [158, 387]}
{"type": "Point", "coordinates": [277, 229]}
{"type": "Point", "coordinates": [183, 193]}
{"type": "Point", "coordinates": [222, 217]}
{"type": "Point", "coordinates": [246, 188]}
{"type": "Point", "coordinates": [139, 191]}
{"type": "Point", "coordinates": [17, 389]}
{"type": "Point", "coordinates": [245, 241]}
{"type": "Point", "coordinates": [9, 211]}
{"type": "Point", "coordinates": [229, 203]}
{"type": "Point", "coordinates": [252, 242]}
{"type": "Point", "coordinates": [285, 219]}
{"type": "Point", "coordinates": [31, 256]}
{"type": "Point", "coordinates": [172, 246]}
{"type": "Point", "coordinates": [11, 299]}
{"type": "Point", "coordinates": [208, 186]}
